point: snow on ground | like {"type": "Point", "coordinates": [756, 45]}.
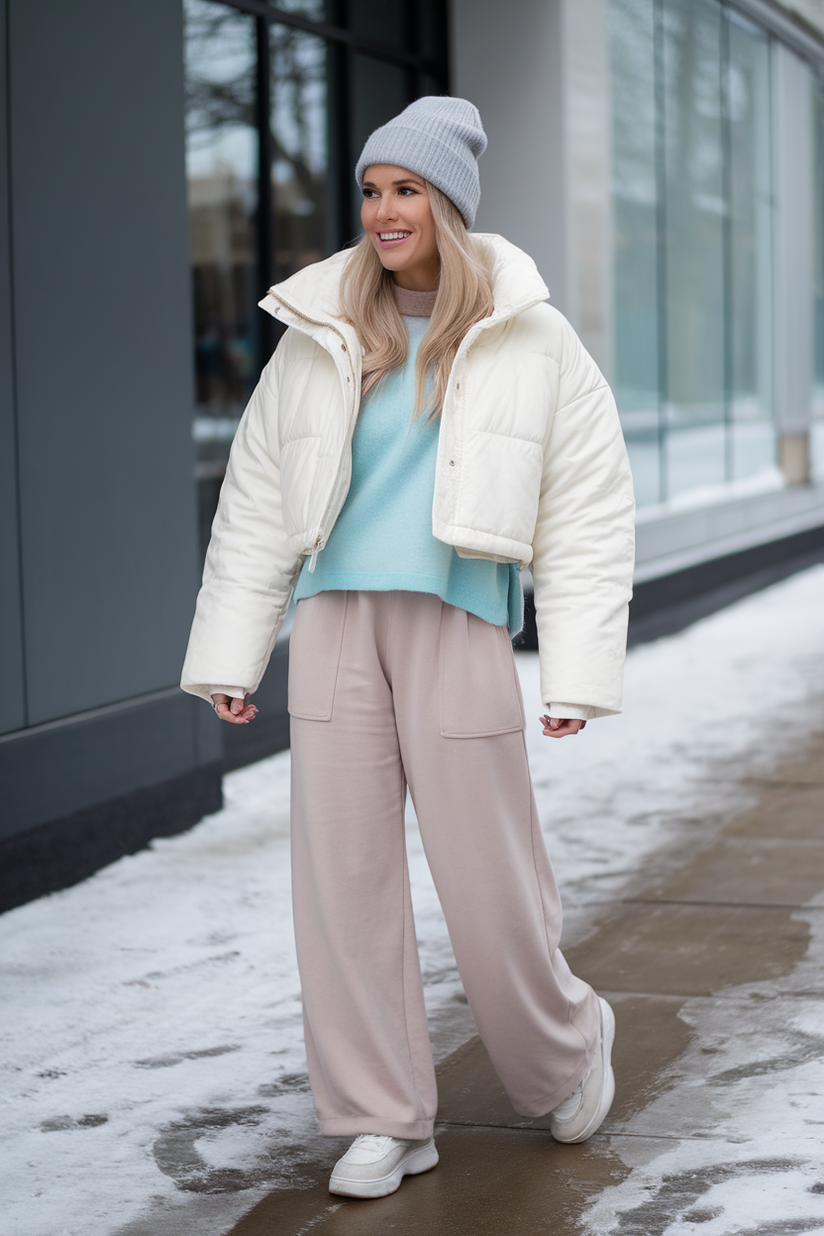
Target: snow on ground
{"type": "Point", "coordinates": [746, 1099]}
{"type": "Point", "coordinates": [151, 1034]}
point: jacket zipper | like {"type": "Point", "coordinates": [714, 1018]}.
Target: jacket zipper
{"type": "Point", "coordinates": [466, 343]}
{"type": "Point", "coordinates": [316, 548]}
{"type": "Point", "coordinates": [320, 540]}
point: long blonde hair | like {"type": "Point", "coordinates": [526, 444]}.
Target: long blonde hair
{"type": "Point", "coordinates": [464, 298]}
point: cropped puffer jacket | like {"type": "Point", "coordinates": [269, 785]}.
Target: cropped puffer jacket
{"type": "Point", "coordinates": [531, 468]}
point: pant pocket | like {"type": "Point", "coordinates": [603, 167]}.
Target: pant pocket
{"type": "Point", "coordinates": [480, 694]}
{"type": "Point", "coordinates": [315, 645]}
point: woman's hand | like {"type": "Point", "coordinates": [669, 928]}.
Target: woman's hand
{"type": "Point", "coordinates": [556, 727]}
{"type": "Point", "coordinates": [234, 710]}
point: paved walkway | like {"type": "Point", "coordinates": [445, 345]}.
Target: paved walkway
{"type": "Point", "coordinates": [714, 970]}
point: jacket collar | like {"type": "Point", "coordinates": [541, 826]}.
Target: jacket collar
{"type": "Point", "coordinates": [310, 297]}
{"type": "Point", "coordinates": [516, 284]}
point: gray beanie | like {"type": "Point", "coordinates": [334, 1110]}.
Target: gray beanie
{"type": "Point", "coordinates": [438, 138]}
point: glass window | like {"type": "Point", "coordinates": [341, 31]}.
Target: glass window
{"type": "Point", "coordinates": [635, 240]}
{"type": "Point", "coordinates": [379, 91]}
{"type": "Point", "coordinates": [750, 378]}
{"type": "Point", "coordinates": [316, 10]}
{"type": "Point", "coordinates": [429, 26]}
{"type": "Point", "coordinates": [382, 21]}
{"type": "Point", "coordinates": [222, 169]}
{"type": "Point", "coordinates": [692, 228]}
{"type": "Point", "coordinates": [695, 212]}
{"type": "Point", "coordinates": [817, 426]}
{"type": "Point", "coordinates": [299, 145]}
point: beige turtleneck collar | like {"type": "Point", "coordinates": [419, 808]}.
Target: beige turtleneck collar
{"type": "Point", "coordinates": [414, 304]}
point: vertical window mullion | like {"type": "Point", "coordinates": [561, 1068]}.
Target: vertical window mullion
{"type": "Point", "coordinates": [411, 39]}
{"type": "Point", "coordinates": [267, 336]}
{"type": "Point", "coordinates": [443, 58]}
{"type": "Point", "coordinates": [727, 287]}
{"type": "Point", "coordinates": [340, 144]}
{"type": "Point", "coordinates": [341, 155]}
{"type": "Point", "coordinates": [661, 241]}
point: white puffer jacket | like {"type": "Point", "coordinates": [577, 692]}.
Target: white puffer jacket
{"type": "Point", "coordinates": [531, 468]}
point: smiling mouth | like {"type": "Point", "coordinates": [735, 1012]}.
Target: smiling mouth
{"type": "Point", "coordinates": [394, 235]}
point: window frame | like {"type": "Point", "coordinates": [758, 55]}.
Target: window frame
{"type": "Point", "coordinates": [344, 45]}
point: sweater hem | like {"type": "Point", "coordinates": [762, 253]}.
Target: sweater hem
{"type": "Point", "coordinates": [365, 582]}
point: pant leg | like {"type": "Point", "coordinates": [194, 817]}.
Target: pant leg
{"type": "Point", "coordinates": [473, 795]}
{"type": "Point", "coordinates": [367, 1044]}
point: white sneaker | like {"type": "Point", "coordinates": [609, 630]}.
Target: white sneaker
{"type": "Point", "coordinates": [375, 1165]}
{"type": "Point", "coordinates": [586, 1109]}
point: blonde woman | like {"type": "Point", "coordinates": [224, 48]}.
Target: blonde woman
{"type": "Point", "coordinates": [427, 427]}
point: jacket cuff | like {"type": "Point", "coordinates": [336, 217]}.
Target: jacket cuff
{"type": "Point", "coordinates": [572, 712]}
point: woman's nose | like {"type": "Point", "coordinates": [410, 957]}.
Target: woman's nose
{"type": "Point", "coordinates": [386, 209]}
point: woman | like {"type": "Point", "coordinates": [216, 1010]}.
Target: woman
{"type": "Point", "coordinates": [427, 427]}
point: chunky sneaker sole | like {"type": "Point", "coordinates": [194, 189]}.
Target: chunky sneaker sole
{"type": "Point", "coordinates": [597, 1091]}
{"type": "Point", "coordinates": [420, 1157]}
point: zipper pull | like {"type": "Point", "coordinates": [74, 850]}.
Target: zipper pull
{"type": "Point", "coordinates": [318, 546]}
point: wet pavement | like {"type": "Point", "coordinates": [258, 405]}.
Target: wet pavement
{"type": "Point", "coordinates": [713, 963]}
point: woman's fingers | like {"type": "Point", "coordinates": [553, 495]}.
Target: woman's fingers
{"type": "Point", "coordinates": [236, 711]}
{"type": "Point", "coordinates": [241, 716]}
{"type": "Point", "coordinates": [559, 727]}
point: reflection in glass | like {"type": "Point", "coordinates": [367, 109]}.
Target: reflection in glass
{"type": "Point", "coordinates": [221, 161]}
{"type": "Point", "coordinates": [750, 377]}
{"type": "Point", "coordinates": [316, 10]}
{"type": "Point", "coordinates": [695, 226]}
{"type": "Point", "coordinates": [692, 226]}
{"type": "Point", "coordinates": [299, 150]}
{"type": "Point", "coordinates": [635, 207]}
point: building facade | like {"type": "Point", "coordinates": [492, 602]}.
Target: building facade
{"type": "Point", "coordinates": [675, 206]}
{"type": "Point", "coordinates": [162, 164]}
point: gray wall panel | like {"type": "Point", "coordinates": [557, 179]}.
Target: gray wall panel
{"type": "Point", "coordinates": [12, 703]}
{"type": "Point", "coordinates": [50, 771]}
{"type": "Point", "coordinates": [103, 348]}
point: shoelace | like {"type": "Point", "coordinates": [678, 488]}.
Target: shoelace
{"type": "Point", "coordinates": [372, 1141]}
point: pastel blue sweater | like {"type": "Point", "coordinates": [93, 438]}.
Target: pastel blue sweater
{"type": "Point", "coordinates": [382, 539]}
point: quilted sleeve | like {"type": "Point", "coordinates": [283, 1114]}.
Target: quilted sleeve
{"type": "Point", "coordinates": [583, 549]}
{"type": "Point", "coordinates": [250, 571]}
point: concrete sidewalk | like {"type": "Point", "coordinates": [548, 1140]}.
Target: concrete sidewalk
{"type": "Point", "coordinates": [712, 966]}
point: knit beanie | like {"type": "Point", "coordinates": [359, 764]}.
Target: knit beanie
{"type": "Point", "coordinates": [438, 138]}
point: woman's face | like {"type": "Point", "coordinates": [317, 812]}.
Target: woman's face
{"type": "Point", "coordinates": [397, 217]}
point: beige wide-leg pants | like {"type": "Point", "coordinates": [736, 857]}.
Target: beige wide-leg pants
{"type": "Point", "coordinates": [389, 689]}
